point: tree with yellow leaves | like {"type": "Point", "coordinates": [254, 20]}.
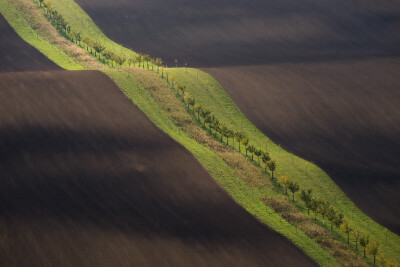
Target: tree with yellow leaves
{"type": "Point", "coordinates": [346, 228]}
{"type": "Point", "coordinates": [284, 181]}
{"type": "Point", "coordinates": [373, 249]}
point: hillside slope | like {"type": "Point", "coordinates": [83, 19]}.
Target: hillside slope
{"type": "Point", "coordinates": [17, 55]}
{"type": "Point", "coordinates": [363, 35]}
{"type": "Point", "coordinates": [87, 179]}
{"type": "Point", "coordinates": [234, 33]}
{"type": "Point", "coordinates": [342, 116]}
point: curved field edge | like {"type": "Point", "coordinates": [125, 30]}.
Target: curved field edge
{"type": "Point", "coordinates": [29, 35]}
{"type": "Point", "coordinates": [233, 117]}
{"type": "Point", "coordinates": [219, 170]}
{"type": "Point", "coordinates": [207, 91]}
{"type": "Point", "coordinates": [79, 19]}
{"type": "Point", "coordinates": [215, 165]}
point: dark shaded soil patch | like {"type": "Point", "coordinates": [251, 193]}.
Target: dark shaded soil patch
{"type": "Point", "coordinates": [240, 32]}
{"type": "Point", "coordinates": [17, 55]}
{"type": "Point", "coordinates": [87, 179]}
{"type": "Point", "coordinates": [343, 116]}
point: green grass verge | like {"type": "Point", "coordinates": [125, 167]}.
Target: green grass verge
{"type": "Point", "coordinates": [211, 95]}
{"type": "Point", "coordinates": [220, 171]}
{"type": "Point", "coordinates": [81, 22]}
{"type": "Point", "coordinates": [223, 107]}
{"type": "Point", "coordinates": [22, 28]}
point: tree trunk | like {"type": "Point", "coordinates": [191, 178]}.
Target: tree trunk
{"type": "Point", "coordinates": [293, 196]}
{"type": "Point", "coordinates": [348, 238]}
{"type": "Point", "coordinates": [239, 147]}
{"type": "Point", "coordinates": [364, 252]}
{"type": "Point", "coordinates": [272, 175]}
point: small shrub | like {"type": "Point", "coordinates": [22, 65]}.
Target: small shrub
{"type": "Point", "coordinates": [342, 253]}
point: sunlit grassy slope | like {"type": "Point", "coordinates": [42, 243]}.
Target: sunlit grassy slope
{"type": "Point", "coordinates": [214, 164]}
{"type": "Point", "coordinates": [223, 174]}
{"type": "Point", "coordinates": [29, 35]}
{"type": "Point", "coordinates": [210, 94]}
{"type": "Point", "coordinates": [81, 21]}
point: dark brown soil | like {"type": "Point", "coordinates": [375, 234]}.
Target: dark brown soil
{"type": "Point", "coordinates": [17, 55]}
{"type": "Point", "coordinates": [241, 32]}
{"type": "Point", "coordinates": [343, 116]}
{"type": "Point", "coordinates": [87, 180]}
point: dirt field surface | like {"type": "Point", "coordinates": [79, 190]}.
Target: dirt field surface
{"type": "Point", "coordinates": [342, 116]}
{"type": "Point", "coordinates": [241, 32]}
{"type": "Point", "coordinates": [17, 55]}
{"type": "Point", "coordinates": [87, 179]}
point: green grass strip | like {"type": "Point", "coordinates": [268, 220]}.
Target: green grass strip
{"type": "Point", "coordinates": [29, 35]}
{"type": "Point", "coordinates": [215, 98]}
{"type": "Point", "coordinates": [220, 171]}
{"type": "Point", "coordinates": [81, 22]}
{"type": "Point", "coordinates": [208, 92]}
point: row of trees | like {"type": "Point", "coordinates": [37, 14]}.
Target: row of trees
{"type": "Point", "coordinates": [325, 210]}
{"type": "Point", "coordinates": [56, 19]}
{"type": "Point", "coordinates": [317, 206]}
{"type": "Point", "coordinates": [110, 57]}
{"type": "Point", "coordinates": [221, 131]}
{"type": "Point", "coordinates": [95, 47]}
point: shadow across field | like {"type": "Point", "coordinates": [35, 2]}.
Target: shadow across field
{"type": "Point", "coordinates": [343, 116]}
{"type": "Point", "coordinates": [87, 179]}
{"type": "Point", "coordinates": [17, 55]}
{"type": "Point", "coordinates": [336, 104]}
{"type": "Point", "coordinates": [215, 33]}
